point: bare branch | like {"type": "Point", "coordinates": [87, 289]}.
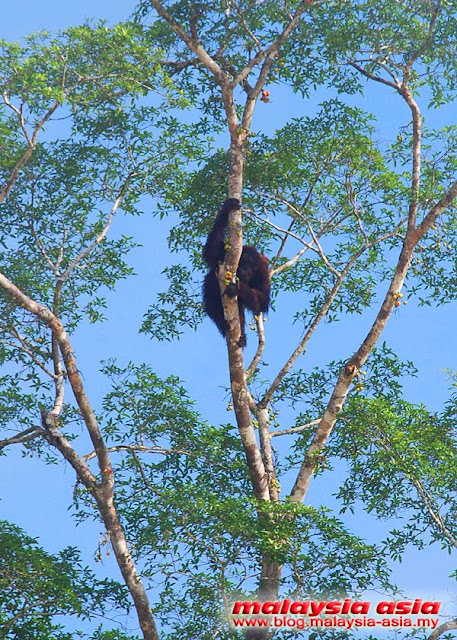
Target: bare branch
{"type": "Point", "coordinates": [30, 354]}
{"type": "Point", "coordinates": [23, 436]}
{"type": "Point", "coordinates": [102, 234]}
{"type": "Point", "coordinates": [54, 436]}
{"type": "Point", "coordinates": [302, 427]}
{"type": "Point", "coordinates": [274, 47]}
{"type": "Point", "coordinates": [447, 626]}
{"type": "Point", "coordinates": [437, 210]}
{"type": "Point", "coordinates": [61, 250]}
{"type": "Point", "coordinates": [383, 65]}
{"type": "Point", "coordinates": [26, 156]}
{"type": "Point", "coordinates": [46, 316]}
{"type": "Point", "coordinates": [267, 55]}
{"type": "Point", "coordinates": [289, 263]}
{"type": "Point", "coordinates": [147, 484]}
{"type": "Point", "coordinates": [324, 310]}
{"type": "Point", "coordinates": [104, 492]}
{"type": "Point", "coordinates": [267, 452]}
{"type": "Point", "coordinates": [416, 172]}
{"type": "Point", "coordinates": [352, 198]}
{"type": "Point", "coordinates": [320, 251]}
{"type": "Point", "coordinates": [372, 76]}
{"type": "Point", "coordinates": [194, 45]}
{"type": "Point", "coordinates": [412, 238]}
{"type": "Point", "coordinates": [287, 233]}
{"type": "Point", "coordinates": [18, 112]}
{"type": "Point", "coordinates": [179, 66]}
{"type": "Point", "coordinates": [427, 42]}
{"type": "Point", "coordinates": [433, 510]}
{"type": "Point", "coordinates": [41, 248]}
{"type": "Point", "coordinates": [281, 248]}
{"type": "Point", "coordinates": [260, 347]}
{"type": "Point", "coordinates": [253, 37]}
{"type": "Point", "coordinates": [59, 395]}
{"type": "Point", "coordinates": [139, 449]}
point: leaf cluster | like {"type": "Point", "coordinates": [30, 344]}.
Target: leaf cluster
{"type": "Point", "coordinates": [38, 589]}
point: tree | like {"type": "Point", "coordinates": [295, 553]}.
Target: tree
{"type": "Point", "coordinates": [349, 221]}
{"type": "Point", "coordinates": [37, 588]}
{"type": "Point", "coordinates": [60, 199]}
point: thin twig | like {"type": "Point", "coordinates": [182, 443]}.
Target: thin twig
{"type": "Point", "coordinates": [41, 247]}
{"type": "Point", "coordinates": [26, 156]}
{"type": "Point", "coordinates": [289, 263]}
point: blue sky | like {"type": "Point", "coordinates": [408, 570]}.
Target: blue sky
{"type": "Point", "coordinates": [37, 497]}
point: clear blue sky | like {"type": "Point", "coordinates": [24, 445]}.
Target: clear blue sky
{"type": "Point", "coordinates": [37, 499]}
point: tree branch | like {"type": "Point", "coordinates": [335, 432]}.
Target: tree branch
{"type": "Point", "coordinates": [447, 626]}
{"type": "Point", "coordinates": [322, 312]}
{"type": "Point", "coordinates": [426, 499]}
{"type": "Point", "coordinates": [31, 148]}
{"type": "Point", "coordinates": [54, 436]}
{"type": "Point", "coordinates": [267, 452]}
{"type": "Point", "coordinates": [416, 172]}
{"type": "Point", "coordinates": [40, 246]}
{"type": "Point", "coordinates": [137, 448]}
{"type": "Point", "coordinates": [104, 492]}
{"type": "Point", "coordinates": [23, 436]}
{"type": "Point", "coordinates": [427, 42]}
{"type": "Point", "coordinates": [302, 427]}
{"type": "Point", "coordinates": [274, 47]}
{"type": "Point", "coordinates": [193, 44]}
{"type": "Point", "coordinates": [102, 234]}
{"type": "Point", "coordinates": [338, 397]}
{"type": "Point", "coordinates": [260, 347]}
{"type": "Point", "coordinates": [372, 76]}
{"type": "Point", "coordinates": [30, 354]}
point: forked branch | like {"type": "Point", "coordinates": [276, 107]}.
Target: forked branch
{"type": "Point", "coordinates": [336, 402]}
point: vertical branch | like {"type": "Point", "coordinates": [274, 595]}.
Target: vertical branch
{"type": "Point", "coordinates": [241, 398]}
{"type": "Point", "coordinates": [238, 137]}
{"type": "Point", "coordinates": [416, 172]}
{"type": "Point", "coordinates": [260, 347]}
{"type": "Point", "coordinates": [267, 453]}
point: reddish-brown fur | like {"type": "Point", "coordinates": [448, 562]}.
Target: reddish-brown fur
{"type": "Point", "coordinates": [253, 285]}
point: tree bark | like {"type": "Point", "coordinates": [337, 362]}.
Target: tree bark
{"type": "Point", "coordinates": [103, 492]}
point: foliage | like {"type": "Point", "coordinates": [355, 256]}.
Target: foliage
{"type": "Point", "coordinates": [401, 459]}
{"type": "Point", "coordinates": [97, 120]}
{"type": "Point", "coordinates": [37, 590]}
{"type": "Point", "coordinates": [174, 506]}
